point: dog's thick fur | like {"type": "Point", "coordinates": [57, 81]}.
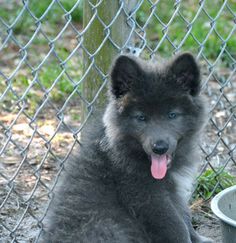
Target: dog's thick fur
{"type": "Point", "coordinates": [108, 194]}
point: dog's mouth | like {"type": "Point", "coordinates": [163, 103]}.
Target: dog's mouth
{"type": "Point", "coordinates": [159, 165]}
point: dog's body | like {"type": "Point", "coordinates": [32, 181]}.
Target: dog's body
{"type": "Point", "coordinates": [133, 176]}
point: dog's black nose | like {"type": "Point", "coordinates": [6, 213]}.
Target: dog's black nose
{"type": "Point", "coordinates": [160, 147]}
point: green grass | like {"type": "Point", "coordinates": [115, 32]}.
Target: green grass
{"type": "Point", "coordinates": [26, 22]}
{"type": "Point", "coordinates": [50, 72]}
{"type": "Point", "coordinates": [46, 78]}
{"type": "Point", "coordinates": [48, 75]}
{"type": "Point", "coordinates": [209, 179]}
{"type": "Point", "coordinates": [177, 29]}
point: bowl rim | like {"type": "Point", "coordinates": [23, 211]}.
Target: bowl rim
{"type": "Point", "coordinates": [217, 211]}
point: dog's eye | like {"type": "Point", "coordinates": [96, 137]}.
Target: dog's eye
{"type": "Point", "coordinates": [172, 115]}
{"type": "Point", "coordinates": [140, 117]}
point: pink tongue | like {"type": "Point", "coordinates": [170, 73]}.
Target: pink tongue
{"type": "Point", "coordinates": [159, 166]}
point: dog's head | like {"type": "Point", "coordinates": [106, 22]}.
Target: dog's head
{"type": "Point", "coordinates": [153, 108]}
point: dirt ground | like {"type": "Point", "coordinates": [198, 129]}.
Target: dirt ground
{"type": "Point", "coordinates": [205, 222]}
{"type": "Point", "coordinates": [210, 228]}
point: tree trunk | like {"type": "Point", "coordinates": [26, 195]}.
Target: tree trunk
{"type": "Point", "coordinates": [103, 40]}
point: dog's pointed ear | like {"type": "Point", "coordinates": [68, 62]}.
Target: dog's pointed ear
{"type": "Point", "coordinates": [186, 73]}
{"type": "Point", "coordinates": [124, 72]}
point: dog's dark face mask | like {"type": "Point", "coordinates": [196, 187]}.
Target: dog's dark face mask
{"type": "Point", "coordinates": [156, 108]}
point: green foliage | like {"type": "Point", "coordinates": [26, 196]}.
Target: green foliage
{"type": "Point", "coordinates": [77, 14]}
{"type": "Point", "coordinates": [55, 12]}
{"type": "Point", "coordinates": [207, 182]}
{"type": "Point", "coordinates": [177, 28]}
{"type": "Point", "coordinates": [55, 15]}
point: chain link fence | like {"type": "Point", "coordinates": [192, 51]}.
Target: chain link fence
{"type": "Point", "coordinates": [54, 59]}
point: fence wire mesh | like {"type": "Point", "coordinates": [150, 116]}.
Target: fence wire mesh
{"type": "Point", "coordinates": [48, 56]}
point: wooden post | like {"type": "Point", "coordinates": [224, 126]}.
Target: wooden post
{"type": "Point", "coordinates": [94, 38]}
